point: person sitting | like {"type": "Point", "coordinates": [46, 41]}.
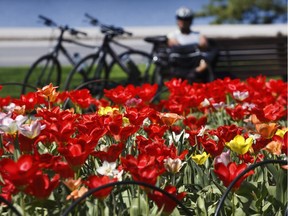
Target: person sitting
{"type": "Point", "coordinates": [185, 36]}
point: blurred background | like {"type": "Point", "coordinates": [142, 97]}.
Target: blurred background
{"type": "Point", "coordinates": [23, 13]}
{"type": "Point", "coordinates": [23, 38]}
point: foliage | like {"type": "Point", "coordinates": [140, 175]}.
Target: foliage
{"type": "Point", "coordinates": [246, 11]}
{"type": "Point", "coordinates": [191, 145]}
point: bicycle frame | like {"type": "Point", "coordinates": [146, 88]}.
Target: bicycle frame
{"type": "Point", "coordinates": [106, 49]}
{"type": "Point", "coordinates": [60, 48]}
{"type": "Point", "coordinates": [100, 65]}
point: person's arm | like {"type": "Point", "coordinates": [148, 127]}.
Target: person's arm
{"type": "Point", "coordinates": [172, 42]}
{"type": "Point", "coordinates": [172, 39]}
{"type": "Point", "coordinates": [203, 43]}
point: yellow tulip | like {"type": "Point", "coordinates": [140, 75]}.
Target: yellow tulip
{"type": "Point", "coordinates": [282, 132]}
{"type": "Point", "coordinates": [240, 145]}
{"type": "Point", "coordinates": [200, 158]}
{"type": "Point", "coordinates": [125, 121]}
{"type": "Point", "coordinates": [106, 110]}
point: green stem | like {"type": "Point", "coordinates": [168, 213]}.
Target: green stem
{"type": "Point", "coordinates": [233, 204]}
{"type": "Point", "coordinates": [173, 179]}
{"type": "Point", "coordinates": [23, 204]}
{"type": "Point", "coordinates": [139, 202]}
{"type": "Point", "coordinates": [101, 207]}
{"type": "Point", "coordinates": [16, 153]}
{"type": "Point", "coordinates": [147, 204]}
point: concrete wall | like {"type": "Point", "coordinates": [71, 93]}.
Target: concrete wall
{"type": "Point", "coordinates": [211, 31]}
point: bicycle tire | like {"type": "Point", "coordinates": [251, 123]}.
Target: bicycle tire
{"type": "Point", "coordinates": [87, 69]}
{"type": "Point", "coordinates": [156, 77]}
{"type": "Point", "coordinates": [43, 71]}
{"type": "Point", "coordinates": [140, 64]}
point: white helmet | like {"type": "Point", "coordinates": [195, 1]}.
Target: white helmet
{"type": "Point", "coordinates": [184, 13]}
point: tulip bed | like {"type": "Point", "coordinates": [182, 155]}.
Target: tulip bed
{"type": "Point", "coordinates": [128, 154]}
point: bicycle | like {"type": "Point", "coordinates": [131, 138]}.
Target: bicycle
{"type": "Point", "coordinates": [47, 68]}
{"type": "Point", "coordinates": [129, 67]}
{"type": "Point", "coordinates": [179, 61]}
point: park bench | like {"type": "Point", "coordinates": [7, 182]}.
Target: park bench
{"type": "Point", "coordinates": [251, 56]}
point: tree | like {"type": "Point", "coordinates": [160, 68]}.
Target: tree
{"type": "Point", "coordinates": [245, 11]}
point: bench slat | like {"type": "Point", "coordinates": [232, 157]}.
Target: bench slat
{"type": "Point", "coordinates": [245, 57]}
{"type": "Point", "coordinates": [251, 58]}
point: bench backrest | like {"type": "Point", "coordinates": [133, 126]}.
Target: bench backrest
{"type": "Point", "coordinates": [245, 57]}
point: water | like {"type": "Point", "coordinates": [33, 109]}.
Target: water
{"type": "Point", "coordinates": [24, 13]}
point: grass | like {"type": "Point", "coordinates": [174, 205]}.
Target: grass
{"type": "Point", "coordinates": [17, 74]}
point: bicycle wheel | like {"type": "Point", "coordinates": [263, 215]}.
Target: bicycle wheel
{"type": "Point", "coordinates": [87, 69]}
{"type": "Point", "coordinates": [44, 71]}
{"type": "Point", "coordinates": [140, 65]}
{"type": "Point", "coordinates": [156, 77]}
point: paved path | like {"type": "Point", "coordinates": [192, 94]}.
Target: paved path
{"type": "Point", "coordinates": [23, 46]}
{"type": "Point", "coordinates": [19, 53]}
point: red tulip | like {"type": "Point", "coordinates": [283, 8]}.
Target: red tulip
{"type": "Point", "coordinates": [136, 116]}
{"type": "Point", "coordinates": [155, 131]}
{"type": "Point", "coordinates": [63, 169]}
{"type": "Point", "coordinates": [111, 154]}
{"type": "Point", "coordinates": [228, 173]}
{"type": "Point", "coordinates": [41, 186]}
{"type": "Point", "coordinates": [5, 101]}
{"type": "Point", "coordinates": [75, 154]}
{"type": "Point", "coordinates": [145, 168]}
{"type": "Point", "coordinates": [193, 123]}
{"type": "Point", "coordinates": [163, 201]}
{"type": "Point", "coordinates": [274, 112]}
{"type": "Point", "coordinates": [7, 190]}
{"type": "Point", "coordinates": [59, 124]}
{"type": "Point", "coordinates": [82, 98]}
{"type": "Point", "coordinates": [30, 100]}
{"type": "Point", "coordinates": [238, 112]}
{"type": "Point", "coordinates": [97, 181]}
{"type": "Point", "coordinates": [19, 173]}
{"type": "Point", "coordinates": [147, 91]}
{"type": "Point", "coordinates": [120, 95]}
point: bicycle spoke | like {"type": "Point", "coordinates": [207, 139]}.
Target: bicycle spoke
{"type": "Point", "coordinates": [139, 67]}
{"type": "Point", "coordinates": [43, 71]}
{"type": "Point", "coordinates": [49, 75]}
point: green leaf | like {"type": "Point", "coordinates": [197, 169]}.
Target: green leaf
{"type": "Point", "coordinates": [243, 199]}
{"type": "Point", "coordinates": [155, 211]}
{"type": "Point", "coordinates": [239, 212]}
{"type": "Point", "coordinates": [138, 207]}
{"type": "Point", "coordinates": [266, 206]}
{"type": "Point", "coordinates": [281, 186]}
{"type": "Point", "coordinates": [201, 206]}
{"type": "Point", "coordinates": [272, 190]}
{"type": "Point", "coordinates": [212, 208]}
{"type": "Point", "coordinates": [175, 212]}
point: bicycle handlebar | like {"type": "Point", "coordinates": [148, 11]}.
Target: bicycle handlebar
{"type": "Point", "coordinates": [76, 32]}
{"type": "Point", "coordinates": [107, 29]}
{"type": "Point", "coordinates": [50, 22]}
{"type": "Point", "coordinates": [93, 20]}
{"type": "Point", "coordinates": [47, 21]}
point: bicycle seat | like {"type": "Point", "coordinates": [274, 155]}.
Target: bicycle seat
{"type": "Point", "coordinates": [162, 39]}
